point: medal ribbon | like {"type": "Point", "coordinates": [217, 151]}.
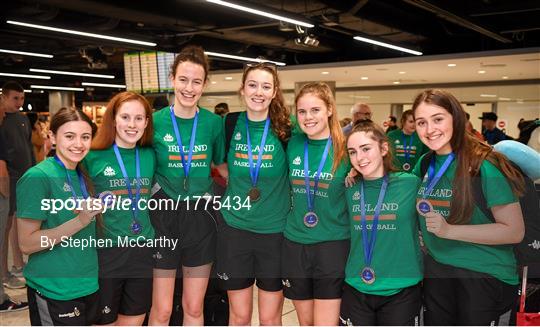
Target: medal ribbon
{"type": "Point", "coordinates": [82, 184]}
{"type": "Point", "coordinates": [407, 148]}
{"type": "Point", "coordinates": [369, 245]}
{"type": "Point", "coordinates": [310, 197]}
{"type": "Point", "coordinates": [185, 165]}
{"type": "Point", "coordinates": [433, 178]}
{"type": "Point", "coordinates": [134, 204]}
{"type": "Point", "coordinates": [254, 171]}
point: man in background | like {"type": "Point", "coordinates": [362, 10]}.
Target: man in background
{"type": "Point", "coordinates": [491, 133]}
{"type": "Point", "coordinates": [6, 304]}
{"type": "Point", "coordinates": [16, 133]}
{"type": "Point", "coordinates": [359, 111]}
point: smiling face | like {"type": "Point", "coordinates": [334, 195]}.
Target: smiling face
{"type": "Point", "coordinates": [434, 126]}
{"type": "Point", "coordinates": [313, 115]}
{"type": "Point", "coordinates": [188, 83]}
{"type": "Point", "coordinates": [72, 141]}
{"type": "Point", "coordinates": [258, 90]}
{"type": "Point", "coordinates": [130, 122]}
{"type": "Point", "coordinates": [367, 154]}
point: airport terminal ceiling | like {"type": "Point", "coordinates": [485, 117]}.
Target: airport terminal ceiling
{"type": "Point", "coordinates": [430, 26]}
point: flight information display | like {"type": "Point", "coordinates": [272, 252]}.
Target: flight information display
{"type": "Point", "coordinates": [148, 71]}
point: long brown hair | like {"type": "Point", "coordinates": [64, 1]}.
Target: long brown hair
{"type": "Point", "coordinates": [64, 116]}
{"type": "Point", "coordinates": [278, 112]}
{"type": "Point", "coordinates": [106, 134]}
{"type": "Point", "coordinates": [376, 133]}
{"type": "Point", "coordinates": [470, 153]}
{"type": "Point", "coordinates": [323, 92]}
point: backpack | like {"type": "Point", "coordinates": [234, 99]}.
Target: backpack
{"type": "Point", "coordinates": [528, 250]}
{"type": "Point", "coordinates": [230, 123]}
{"type": "Point", "coordinates": [216, 304]}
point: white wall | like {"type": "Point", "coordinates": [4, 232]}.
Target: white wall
{"type": "Point", "coordinates": [524, 102]}
{"type": "Point", "coordinates": [513, 112]}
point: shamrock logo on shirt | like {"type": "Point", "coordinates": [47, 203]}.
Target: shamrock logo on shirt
{"type": "Point", "coordinates": [297, 161]}
{"type": "Point", "coordinates": [356, 195]}
{"type": "Point", "coordinates": [67, 188]}
{"type": "Point", "coordinates": [109, 171]}
{"type": "Point", "coordinates": [238, 136]}
{"type": "Point", "coordinates": [168, 138]}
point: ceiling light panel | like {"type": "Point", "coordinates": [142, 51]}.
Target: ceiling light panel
{"type": "Point", "coordinates": [25, 75]}
{"type": "Point", "coordinates": [24, 53]}
{"type": "Point", "coordinates": [61, 72]}
{"type": "Point", "coordinates": [92, 35]}
{"type": "Point", "coordinates": [388, 45]}
{"type": "Point", "coordinates": [260, 13]}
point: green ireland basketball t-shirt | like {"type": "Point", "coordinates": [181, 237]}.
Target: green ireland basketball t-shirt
{"type": "Point", "coordinates": [495, 260]}
{"type": "Point", "coordinates": [396, 258]}
{"type": "Point", "coordinates": [416, 150]}
{"type": "Point", "coordinates": [70, 269]}
{"type": "Point", "coordinates": [330, 206]}
{"type": "Point", "coordinates": [209, 147]}
{"type": "Point", "coordinates": [103, 168]}
{"type": "Point", "coordinates": [269, 213]}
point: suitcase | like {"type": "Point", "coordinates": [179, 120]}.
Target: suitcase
{"type": "Point", "coordinates": [526, 318]}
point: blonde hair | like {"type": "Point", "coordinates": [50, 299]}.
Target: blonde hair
{"type": "Point", "coordinates": [323, 92]}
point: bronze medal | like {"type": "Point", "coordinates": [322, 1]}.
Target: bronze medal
{"type": "Point", "coordinates": [254, 194]}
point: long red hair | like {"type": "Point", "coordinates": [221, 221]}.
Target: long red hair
{"type": "Point", "coordinates": [106, 133]}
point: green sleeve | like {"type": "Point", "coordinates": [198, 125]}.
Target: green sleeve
{"type": "Point", "coordinates": [496, 188]}
{"type": "Point", "coordinates": [33, 191]}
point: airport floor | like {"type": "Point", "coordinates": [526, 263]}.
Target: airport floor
{"type": "Point", "coordinates": [21, 318]}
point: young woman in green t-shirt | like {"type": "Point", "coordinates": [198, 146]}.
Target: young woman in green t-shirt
{"type": "Point", "coordinates": [405, 144]}
{"type": "Point", "coordinates": [384, 268]}
{"type": "Point", "coordinates": [57, 228]}
{"type": "Point", "coordinates": [470, 268]}
{"type": "Point", "coordinates": [249, 243]}
{"type": "Point", "coordinates": [316, 243]}
{"type": "Point", "coordinates": [187, 140]}
{"type": "Point", "coordinates": [122, 164]}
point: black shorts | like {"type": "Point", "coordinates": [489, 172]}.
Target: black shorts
{"type": "Point", "coordinates": [125, 282]}
{"type": "Point", "coordinates": [457, 296]}
{"type": "Point", "coordinates": [313, 271]}
{"type": "Point", "coordinates": [81, 311]}
{"type": "Point", "coordinates": [361, 309]}
{"type": "Point", "coordinates": [195, 230]}
{"type": "Point", "coordinates": [243, 256]}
